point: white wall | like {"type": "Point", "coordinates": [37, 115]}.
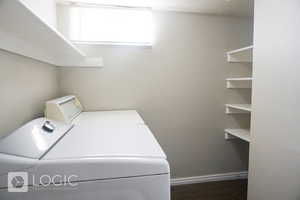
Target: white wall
{"type": "Point", "coordinates": [275, 147]}
{"type": "Point", "coordinates": [178, 86]}
{"type": "Point", "coordinates": [46, 9]}
{"type": "Point", "coordinates": [25, 85]}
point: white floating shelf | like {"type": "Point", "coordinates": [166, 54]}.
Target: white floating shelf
{"type": "Point", "coordinates": [232, 83]}
{"type": "Point", "coordinates": [240, 50]}
{"type": "Point", "coordinates": [240, 55]}
{"type": "Point", "coordinates": [25, 33]}
{"type": "Point", "coordinates": [240, 79]}
{"type": "Point", "coordinates": [243, 134]}
{"type": "Point", "coordinates": [238, 108]}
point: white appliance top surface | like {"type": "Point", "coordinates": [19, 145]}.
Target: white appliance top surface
{"type": "Point", "coordinates": [88, 141]}
{"type": "Point", "coordinates": [31, 140]}
{"type": "Point", "coordinates": [109, 117]}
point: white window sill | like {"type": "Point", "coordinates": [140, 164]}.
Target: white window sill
{"type": "Point", "coordinates": [149, 45]}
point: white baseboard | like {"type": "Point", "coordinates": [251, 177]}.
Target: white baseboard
{"type": "Point", "coordinates": [210, 178]}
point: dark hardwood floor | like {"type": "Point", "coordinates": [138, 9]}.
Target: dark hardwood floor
{"type": "Point", "coordinates": [221, 190]}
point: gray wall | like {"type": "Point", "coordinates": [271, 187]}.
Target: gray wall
{"type": "Point", "coordinates": [25, 85]}
{"type": "Point", "coordinates": [178, 86]}
{"type": "Point", "coordinates": [275, 151]}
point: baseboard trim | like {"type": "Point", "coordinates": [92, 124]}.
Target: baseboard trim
{"type": "Point", "coordinates": [210, 178]}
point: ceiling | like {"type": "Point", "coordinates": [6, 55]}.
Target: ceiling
{"type": "Point", "coordinates": [240, 8]}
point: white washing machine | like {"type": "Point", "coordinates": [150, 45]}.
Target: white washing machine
{"type": "Point", "coordinates": [100, 159]}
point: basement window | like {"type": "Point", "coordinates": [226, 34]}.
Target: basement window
{"type": "Point", "coordinates": [111, 25]}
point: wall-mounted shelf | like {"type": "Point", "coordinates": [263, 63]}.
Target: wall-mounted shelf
{"type": "Point", "coordinates": [240, 79]}
{"type": "Point", "coordinates": [25, 33]}
{"type": "Point", "coordinates": [240, 55]}
{"type": "Point", "coordinates": [238, 108]}
{"type": "Point", "coordinates": [243, 134]}
{"type": "Point", "coordinates": [245, 82]}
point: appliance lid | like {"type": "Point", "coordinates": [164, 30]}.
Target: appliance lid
{"type": "Point", "coordinates": [106, 141]}
{"type": "Point", "coordinates": [34, 139]}
{"type": "Point", "coordinates": [115, 118]}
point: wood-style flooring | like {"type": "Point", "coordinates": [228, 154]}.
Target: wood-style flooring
{"type": "Point", "coordinates": [221, 190]}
